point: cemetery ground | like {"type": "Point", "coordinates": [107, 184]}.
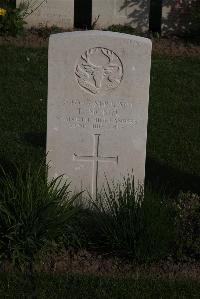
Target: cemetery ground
{"type": "Point", "coordinates": [172, 166]}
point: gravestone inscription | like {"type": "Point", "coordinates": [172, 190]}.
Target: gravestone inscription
{"type": "Point", "coordinates": [49, 13]}
{"type": "Point", "coordinates": [98, 95]}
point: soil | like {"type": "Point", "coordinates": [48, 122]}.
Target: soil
{"type": "Point", "coordinates": [175, 47]}
{"type": "Point", "coordinates": [85, 262]}
{"type": "Point", "coordinates": [98, 264]}
{"type": "Point", "coordinates": [161, 46]}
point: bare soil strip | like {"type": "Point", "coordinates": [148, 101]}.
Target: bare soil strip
{"type": "Point", "coordinates": [161, 46]}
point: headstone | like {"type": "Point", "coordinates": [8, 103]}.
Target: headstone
{"type": "Point", "coordinates": [123, 12]}
{"type": "Point", "coordinates": [52, 12]}
{"type": "Point", "coordinates": [98, 93]}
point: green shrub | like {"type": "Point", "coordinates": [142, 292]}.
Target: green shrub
{"type": "Point", "coordinates": [45, 31]}
{"type": "Point", "coordinates": [12, 19]}
{"type": "Point", "coordinates": [137, 226]}
{"type": "Point", "coordinates": [122, 28]}
{"type": "Point", "coordinates": [188, 225]}
{"type": "Point", "coordinates": [34, 215]}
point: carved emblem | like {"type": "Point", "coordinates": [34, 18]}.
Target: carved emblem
{"type": "Point", "coordinates": [99, 70]}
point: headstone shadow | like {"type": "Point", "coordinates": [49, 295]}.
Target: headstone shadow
{"type": "Point", "coordinates": [7, 167]}
{"type": "Point", "coordinates": [36, 139]}
{"type": "Point", "coordinates": [172, 181]}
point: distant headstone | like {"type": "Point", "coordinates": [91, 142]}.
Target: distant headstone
{"type": "Point", "coordinates": [49, 13]}
{"type": "Point", "coordinates": [98, 93]}
{"type": "Point", "coordinates": [101, 13]}
{"type": "Point", "coordinates": [123, 12]}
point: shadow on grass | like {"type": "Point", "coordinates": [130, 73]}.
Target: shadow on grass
{"type": "Point", "coordinates": [158, 176]}
{"type": "Point", "coordinates": [7, 166]}
{"type": "Point", "coordinates": [161, 176]}
{"type": "Point", "coordinates": [36, 139]}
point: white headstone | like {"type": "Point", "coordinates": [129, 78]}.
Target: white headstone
{"type": "Point", "coordinates": [98, 93]}
{"type": "Point", "coordinates": [52, 12]}
{"type": "Point", "coordinates": [123, 12]}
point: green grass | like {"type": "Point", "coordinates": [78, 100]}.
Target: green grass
{"type": "Point", "coordinates": [136, 225]}
{"type": "Point", "coordinates": [23, 100]}
{"type": "Point", "coordinates": [174, 112]}
{"type": "Point", "coordinates": [35, 214]}
{"type": "Point", "coordinates": [84, 286]}
{"type": "Point", "coordinates": [174, 128]}
{"type": "Point", "coordinates": [173, 155]}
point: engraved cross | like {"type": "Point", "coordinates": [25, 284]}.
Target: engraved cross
{"type": "Point", "coordinates": [96, 158]}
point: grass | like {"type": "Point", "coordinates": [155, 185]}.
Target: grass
{"type": "Point", "coordinates": [35, 213]}
{"type": "Point", "coordinates": [174, 112]}
{"type": "Point", "coordinates": [174, 128]}
{"type": "Point", "coordinates": [173, 155]}
{"type": "Point", "coordinates": [23, 100]}
{"type": "Point", "coordinates": [173, 158]}
{"type": "Point", "coordinates": [133, 224]}
{"type": "Point", "coordinates": [84, 286]}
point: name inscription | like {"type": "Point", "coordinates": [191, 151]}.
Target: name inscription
{"type": "Point", "coordinates": [99, 114]}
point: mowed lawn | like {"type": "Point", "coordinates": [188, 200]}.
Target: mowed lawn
{"type": "Point", "coordinates": [173, 149]}
{"type": "Point", "coordinates": [74, 286]}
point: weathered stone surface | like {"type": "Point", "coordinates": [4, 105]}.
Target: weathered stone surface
{"type": "Point", "coordinates": [98, 95]}
{"type": "Point", "coordinates": [51, 12]}
{"type": "Point", "coordinates": [134, 13]}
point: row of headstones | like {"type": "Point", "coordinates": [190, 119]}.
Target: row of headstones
{"type": "Point", "coordinates": [108, 12]}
